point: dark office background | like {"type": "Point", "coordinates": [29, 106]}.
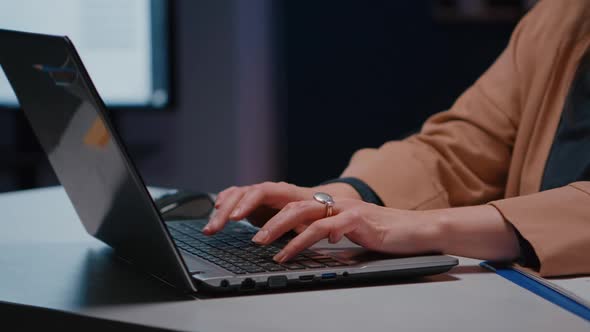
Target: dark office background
{"type": "Point", "coordinates": [269, 90]}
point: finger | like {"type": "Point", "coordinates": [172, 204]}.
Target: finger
{"type": "Point", "coordinates": [222, 195]}
{"type": "Point", "coordinates": [300, 228]}
{"type": "Point", "coordinates": [340, 224]}
{"type": "Point", "coordinates": [334, 237]}
{"type": "Point", "coordinates": [270, 194]}
{"type": "Point", "coordinates": [292, 215]}
{"type": "Point", "coordinates": [252, 199]}
{"type": "Point", "coordinates": [220, 217]}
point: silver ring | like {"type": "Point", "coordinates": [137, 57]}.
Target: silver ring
{"type": "Point", "coordinates": [327, 200]}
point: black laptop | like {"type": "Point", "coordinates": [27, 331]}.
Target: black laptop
{"type": "Point", "coordinates": [111, 200]}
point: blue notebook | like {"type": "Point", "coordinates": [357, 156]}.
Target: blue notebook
{"type": "Point", "coordinates": [548, 293]}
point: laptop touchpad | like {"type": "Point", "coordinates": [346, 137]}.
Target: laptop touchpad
{"type": "Point", "coordinates": [199, 267]}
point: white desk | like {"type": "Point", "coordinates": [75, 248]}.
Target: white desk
{"type": "Point", "coordinates": [47, 260]}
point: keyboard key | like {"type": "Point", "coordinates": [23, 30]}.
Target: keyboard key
{"type": "Point", "coordinates": [271, 267]}
{"type": "Point", "coordinates": [335, 264]}
{"type": "Point", "coordinates": [259, 261]}
{"type": "Point", "coordinates": [293, 266]}
{"type": "Point", "coordinates": [255, 269]}
{"type": "Point", "coordinates": [231, 249]}
{"type": "Point", "coordinates": [273, 250]}
{"type": "Point", "coordinates": [299, 258]}
{"type": "Point", "coordinates": [275, 268]}
{"type": "Point", "coordinates": [316, 257]}
{"type": "Point", "coordinates": [308, 252]}
{"type": "Point", "coordinates": [311, 264]}
{"type": "Point", "coordinates": [325, 260]}
{"type": "Point", "coordinates": [248, 256]}
{"type": "Point", "coordinates": [237, 270]}
{"type": "Point", "coordinates": [246, 265]}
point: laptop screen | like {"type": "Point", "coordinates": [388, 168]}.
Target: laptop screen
{"type": "Point", "coordinates": [71, 124]}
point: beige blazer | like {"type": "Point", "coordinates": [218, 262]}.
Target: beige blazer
{"type": "Point", "coordinates": [492, 145]}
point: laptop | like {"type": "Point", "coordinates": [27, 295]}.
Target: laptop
{"type": "Point", "coordinates": [73, 126]}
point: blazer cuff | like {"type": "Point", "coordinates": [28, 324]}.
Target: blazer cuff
{"type": "Point", "coordinates": [527, 257]}
{"type": "Point", "coordinates": [555, 223]}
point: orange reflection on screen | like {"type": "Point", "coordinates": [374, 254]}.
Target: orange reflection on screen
{"type": "Point", "coordinates": [97, 135]}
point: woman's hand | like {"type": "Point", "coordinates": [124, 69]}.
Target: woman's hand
{"type": "Point", "coordinates": [368, 225]}
{"type": "Point", "coordinates": [478, 231]}
{"type": "Point", "coordinates": [260, 202]}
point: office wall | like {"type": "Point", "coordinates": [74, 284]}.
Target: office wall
{"type": "Point", "coordinates": [259, 82]}
{"type": "Point", "coordinates": [219, 131]}
{"type": "Point", "coordinates": [360, 73]}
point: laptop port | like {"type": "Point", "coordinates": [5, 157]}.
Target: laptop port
{"type": "Point", "coordinates": [329, 276]}
{"type": "Point", "coordinates": [248, 283]}
{"type": "Point", "coordinates": [277, 281]}
{"type": "Point", "coordinates": [307, 277]}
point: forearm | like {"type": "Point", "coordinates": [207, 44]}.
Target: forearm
{"type": "Point", "coordinates": [477, 231]}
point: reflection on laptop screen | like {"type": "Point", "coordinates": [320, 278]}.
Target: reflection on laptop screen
{"type": "Point", "coordinates": [122, 43]}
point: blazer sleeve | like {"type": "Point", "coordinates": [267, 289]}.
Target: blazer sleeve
{"type": "Point", "coordinates": [557, 225]}
{"type": "Point", "coordinates": [461, 156]}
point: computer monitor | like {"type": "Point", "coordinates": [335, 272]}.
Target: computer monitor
{"type": "Point", "coordinates": [124, 44]}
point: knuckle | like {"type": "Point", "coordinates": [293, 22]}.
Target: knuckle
{"type": "Point", "coordinates": [226, 192]}
{"type": "Point", "coordinates": [284, 186]}
{"type": "Point", "coordinates": [294, 205]}
{"type": "Point", "coordinates": [349, 203]}
{"type": "Point", "coordinates": [265, 184]}
{"type": "Point", "coordinates": [313, 228]}
{"type": "Point", "coordinates": [288, 206]}
{"type": "Point", "coordinates": [230, 189]}
{"type": "Point", "coordinates": [301, 204]}
{"type": "Point", "coordinates": [381, 240]}
{"type": "Point", "coordinates": [356, 214]}
{"type": "Point", "coordinates": [298, 248]}
{"type": "Point", "coordinates": [291, 249]}
{"type": "Point", "coordinates": [304, 204]}
{"type": "Point", "coordinates": [256, 191]}
{"type": "Point", "coordinates": [215, 223]}
{"type": "Point", "coordinates": [298, 245]}
{"type": "Point", "coordinates": [322, 227]}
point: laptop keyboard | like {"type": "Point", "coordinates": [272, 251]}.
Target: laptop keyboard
{"type": "Point", "coordinates": [233, 249]}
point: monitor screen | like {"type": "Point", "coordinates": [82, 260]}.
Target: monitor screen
{"type": "Point", "coordinates": [123, 44]}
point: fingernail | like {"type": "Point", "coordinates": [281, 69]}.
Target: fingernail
{"type": "Point", "coordinates": [236, 213]}
{"type": "Point", "coordinates": [279, 257]}
{"type": "Point", "coordinates": [260, 236]}
{"type": "Point", "coordinates": [207, 229]}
